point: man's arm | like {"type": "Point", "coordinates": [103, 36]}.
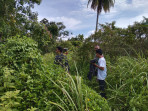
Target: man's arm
{"type": "Point", "coordinates": [101, 68]}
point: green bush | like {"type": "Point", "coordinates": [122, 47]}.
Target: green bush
{"type": "Point", "coordinates": [22, 70]}
{"type": "Point", "coordinates": [17, 51]}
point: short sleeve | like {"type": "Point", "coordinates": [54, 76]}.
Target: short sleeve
{"type": "Point", "coordinates": [102, 63]}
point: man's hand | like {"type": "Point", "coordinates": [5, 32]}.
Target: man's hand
{"type": "Point", "coordinates": [95, 64]}
{"type": "Point", "coordinates": [101, 68]}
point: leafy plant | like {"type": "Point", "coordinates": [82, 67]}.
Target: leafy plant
{"type": "Point", "coordinates": [22, 69]}
{"type": "Point", "coordinates": [10, 100]}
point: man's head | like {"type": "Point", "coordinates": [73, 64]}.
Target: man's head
{"type": "Point", "coordinates": [97, 47]}
{"type": "Point", "coordinates": [59, 50]}
{"type": "Point", "coordinates": [99, 53]}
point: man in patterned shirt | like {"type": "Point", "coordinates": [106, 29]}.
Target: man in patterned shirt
{"type": "Point", "coordinates": [61, 59]}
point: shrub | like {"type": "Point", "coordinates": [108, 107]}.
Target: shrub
{"type": "Point", "coordinates": [22, 70]}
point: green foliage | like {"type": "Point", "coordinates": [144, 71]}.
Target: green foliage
{"type": "Point", "coordinates": [39, 33]}
{"type": "Point", "coordinates": [127, 76]}
{"type": "Point", "coordinates": [66, 44]}
{"type": "Point", "coordinates": [94, 101]}
{"type": "Point", "coordinates": [32, 109]}
{"type": "Point", "coordinates": [82, 56]}
{"type": "Point", "coordinates": [16, 18]}
{"type": "Point", "coordinates": [76, 96]}
{"type": "Point", "coordinates": [30, 83]}
{"type": "Point", "coordinates": [128, 84]}
{"type": "Point", "coordinates": [127, 81]}
{"type": "Point", "coordinates": [118, 42]}
{"type": "Point", "coordinates": [77, 38]}
{"type": "Point", "coordinates": [22, 69]}
{"type": "Point", "coordinates": [10, 100]}
{"type": "Point", "coordinates": [77, 41]}
{"type": "Point", "coordinates": [56, 29]}
{"type": "Point", "coordinates": [71, 93]}
{"type": "Point", "coordinates": [15, 15]}
{"type": "Point", "coordinates": [17, 51]}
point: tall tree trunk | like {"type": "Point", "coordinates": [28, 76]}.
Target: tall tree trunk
{"type": "Point", "coordinates": [97, 21]}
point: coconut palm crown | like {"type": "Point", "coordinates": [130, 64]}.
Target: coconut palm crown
{"type": "Point", "coordinates": [101, 5]}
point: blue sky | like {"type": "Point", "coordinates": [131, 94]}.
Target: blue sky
{"type": "Point", "coordinates": [81, 20]}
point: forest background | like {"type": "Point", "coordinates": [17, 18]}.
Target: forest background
{"type": "Point", "coordinates": [31, 81]}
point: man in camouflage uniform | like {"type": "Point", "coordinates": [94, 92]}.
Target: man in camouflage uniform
{"type": "Point", "coordinates": [92, 69]}
{"type": "Point", "coordinates": [61, 59]}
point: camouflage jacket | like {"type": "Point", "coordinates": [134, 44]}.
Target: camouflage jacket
{"type": "Point", "coordinates": [62, 61]}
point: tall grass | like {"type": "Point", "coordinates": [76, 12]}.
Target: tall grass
{"type": "Point", "coordinates": [72, 90]}
{"type": "Point", "coordinates": [128, 84]}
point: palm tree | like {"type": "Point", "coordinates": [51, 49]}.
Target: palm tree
{"type": "Point", "coordinates": [101, 5]}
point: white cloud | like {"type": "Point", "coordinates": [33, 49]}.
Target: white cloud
{"type": "Point", "coordinates": [84, 0]}
{"type": "Point", "coordinates": [84, 11]}
{"type": "Point", "coordinates": [124, 22]}
{"type": "Point", "coordinates": [137, 9]}
{"type": "Point", "coordinates": [88, 12]}
{"type": "Point", "coordinates": [70, 23]}
{"type": "Point", "coordinates": [89, 33]}
{"type": "Point", "coordinates": [124, 5]}
{"type": "Point", "coordinates": [120, 6]}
